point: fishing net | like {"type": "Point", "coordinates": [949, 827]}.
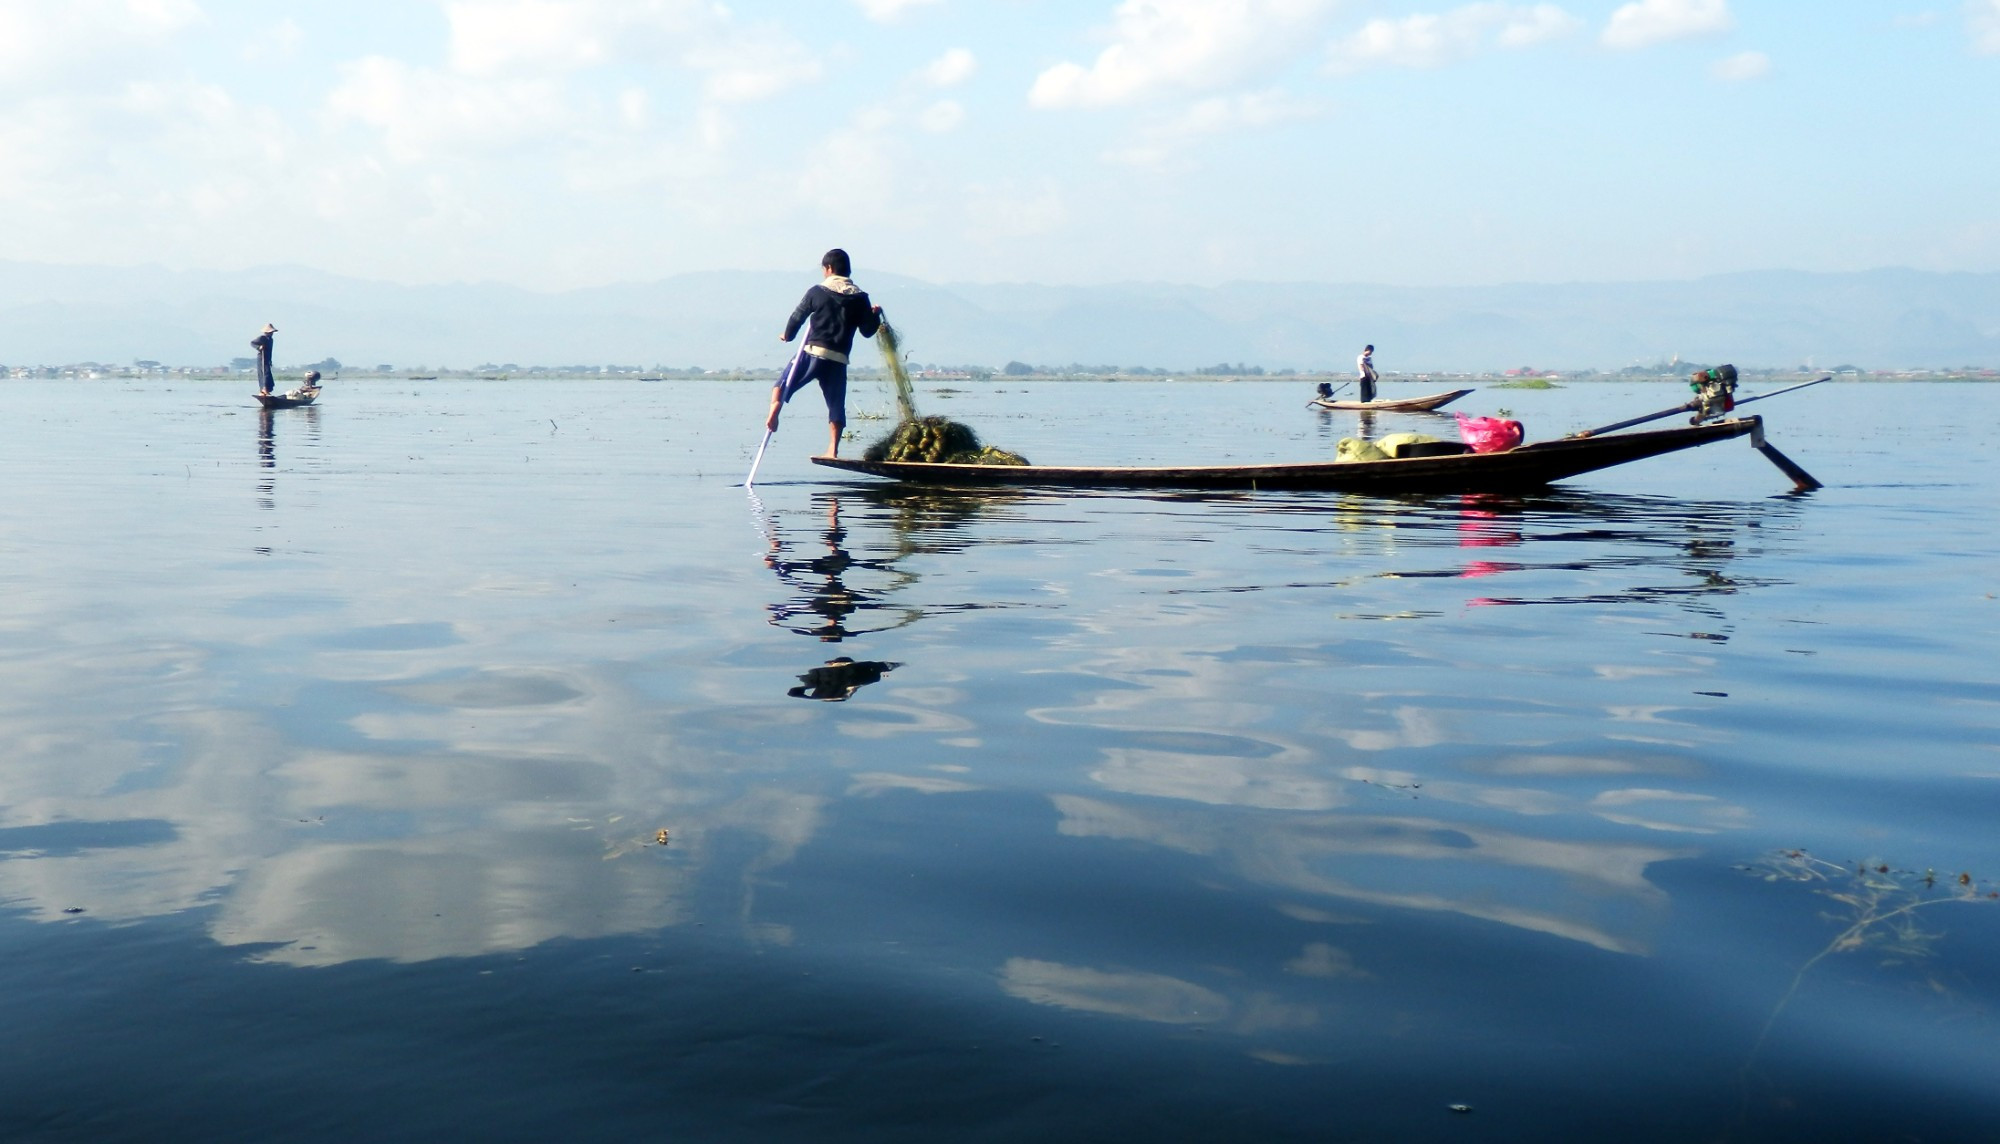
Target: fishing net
{"type": "Point", "coordinates": [892, 360]}
{"type": "Point", "coordinates": [935, 440]}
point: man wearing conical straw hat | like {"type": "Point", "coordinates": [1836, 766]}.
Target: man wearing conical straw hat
{"type": "Point", "coordinates": [832, 313]}
{"type": "Point", "coordinates": [263, 344]}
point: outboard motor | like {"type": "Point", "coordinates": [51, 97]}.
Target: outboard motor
{"type": "Point", "coordinates": [1714, 392]}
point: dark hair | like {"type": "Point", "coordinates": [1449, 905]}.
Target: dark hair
{"type": "Point", "coordinates": [836, 261]}
{"type": "Point", "coordinates": [1369, 349]}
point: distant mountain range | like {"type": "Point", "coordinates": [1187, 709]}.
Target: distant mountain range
{"type": "Point", "coordinates": [1878, 319]}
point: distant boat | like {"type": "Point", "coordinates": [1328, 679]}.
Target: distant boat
{"type": "Point", "coordinates": [422, 377]}
{"type": "Point", "coordinates": [291, 400]}
{"type": "Point", "coordinates": [1396, 405]}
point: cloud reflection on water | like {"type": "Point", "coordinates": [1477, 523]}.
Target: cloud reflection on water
{"type": "Point", "coordinates": [470, 763]}
{"type": "Point", "coordinates": [1499, 876]}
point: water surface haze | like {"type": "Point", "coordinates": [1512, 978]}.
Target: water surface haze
{"type": "Point", "coordinates": [479, 758]}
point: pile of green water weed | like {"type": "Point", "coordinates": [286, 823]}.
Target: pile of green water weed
{"type": "Point", "coordinates": [932, 440]}
{"type": "Point", "coordinates": [938, 440]}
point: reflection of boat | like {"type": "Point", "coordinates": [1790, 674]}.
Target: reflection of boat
{"type": "Point", "coordinates": [293, 399]}
{"type": "Point", "coordinates": [1528, 466]}
{"type": "Point", "coordinates": [1396, 405]}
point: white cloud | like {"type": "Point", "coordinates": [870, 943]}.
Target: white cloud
{"type": "Point", "coordinates": [1644, 23]}
{"type": "Point", "coordinates": [1428, 41]}
{"type": "Point", "coordinates": [889, 11]}
{"type": "Point", "coordinates": [503, 39]}
{"type": "Point", "coordinates": [951, 69]}
{"type": "Point", "coordinates": [42, 42]}
{"type": "Point", "coordinates": [944, 115]}
{"type": "Point", "coordinates": [1165, 45]}
{"type": "Point", "coordinates": [752, 65]}
{"type": "Point", "coordinates": [1208, 117]}
{"type": "Point", "coordinates": [421, 110]}
{"type": "Point", "coordinates": [1741, 67]}
{"type": "Point", "coordinates": [1982, 23]}
{"type": "Point", "coordinates": [493, 36]}
{"type": "Point", "coordinates": [1009, 211]}
{"type": "Point", "coordinates": [278, 41]}
{"type": "Point", "coordinates": [157, 15]}
{"type": "Point", "coordinates": [519, 70]}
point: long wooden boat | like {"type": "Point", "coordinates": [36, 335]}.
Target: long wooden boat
{"type": "Point", "coordinates": [286, 400]}
{"type": "Point", "coordinates": [1394, 405]}
{"type": "Point", "coordinates": [1524, 467]}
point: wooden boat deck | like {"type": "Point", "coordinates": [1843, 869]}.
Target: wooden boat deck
{"type": "Point", "coordinates": [1528, 466]}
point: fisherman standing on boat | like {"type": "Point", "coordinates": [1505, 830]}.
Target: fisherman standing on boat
{"type": "Point", "coordinates": [832, 313]}
{"type": "Point", "coordinates": [263, 343]}
{"type": "Point", "coordinates": [1364, 369]}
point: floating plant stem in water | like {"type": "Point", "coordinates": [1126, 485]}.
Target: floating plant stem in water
{"type": "Point", "coordinates": [1879, 912]}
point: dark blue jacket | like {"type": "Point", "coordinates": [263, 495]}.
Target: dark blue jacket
{"type": "Point", "coordinates": [832, 317]}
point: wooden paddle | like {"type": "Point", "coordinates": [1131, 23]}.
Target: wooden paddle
{"type": "Point", "coordinates": [752, 478]}
{"type": "Point", "coordinates": [783, 378]}
{"type": "Point", "coordinates": [1802, 481]}
{"type": "Point", "coordinates": [1689, 408]}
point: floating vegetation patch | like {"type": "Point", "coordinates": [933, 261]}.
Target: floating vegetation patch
{"type": "Point", "coordinates": [933, 440]}
{"type": "Point", "coordinates": [1876, 907]}
{"type": "Point", "coordinates": [1528, 383]}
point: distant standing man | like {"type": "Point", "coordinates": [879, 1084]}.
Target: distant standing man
{"type": "Point", "coordinates": [1364, 369]}
{"type": "Point", "coordinates": [262, 343]}
{"type": "Point", "coordinates": [832, 313]}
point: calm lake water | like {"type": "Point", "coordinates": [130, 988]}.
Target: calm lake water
{"type": "Point", "coordinates": [335, 745]}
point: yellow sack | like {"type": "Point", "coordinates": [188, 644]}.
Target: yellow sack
{"type": "Point", "coordinates": [1355, 449]}
{"type": "Point", "coordinates": [1394, 442]}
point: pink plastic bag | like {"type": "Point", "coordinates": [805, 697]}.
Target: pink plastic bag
{"type": "Point", "coordinates": [1489, 434]}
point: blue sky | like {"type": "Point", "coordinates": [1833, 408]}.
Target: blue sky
{"type": "Point", "coordinates": [561, 144]}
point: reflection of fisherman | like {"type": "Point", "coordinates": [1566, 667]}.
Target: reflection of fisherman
{"type": "Point", "coordinates": [1364, 370]}
{"type": "Point", "coordinates": [267, 440]}
{"type": "Point", "coordinates": [839, 678]}
{"type": "Point", "coordinates": [263, 344]}
{"type": "Point", "coordinates": [820, 581]}
{"type": "Point", "coordinates": [832, 312]}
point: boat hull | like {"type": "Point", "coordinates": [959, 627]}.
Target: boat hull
{"type": "Point", "coordinates": [1398, 405]}
{"type": "Point", "coordinates": [1526, 467]}
{"type": "Point", "coordinates": [284, 400]}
